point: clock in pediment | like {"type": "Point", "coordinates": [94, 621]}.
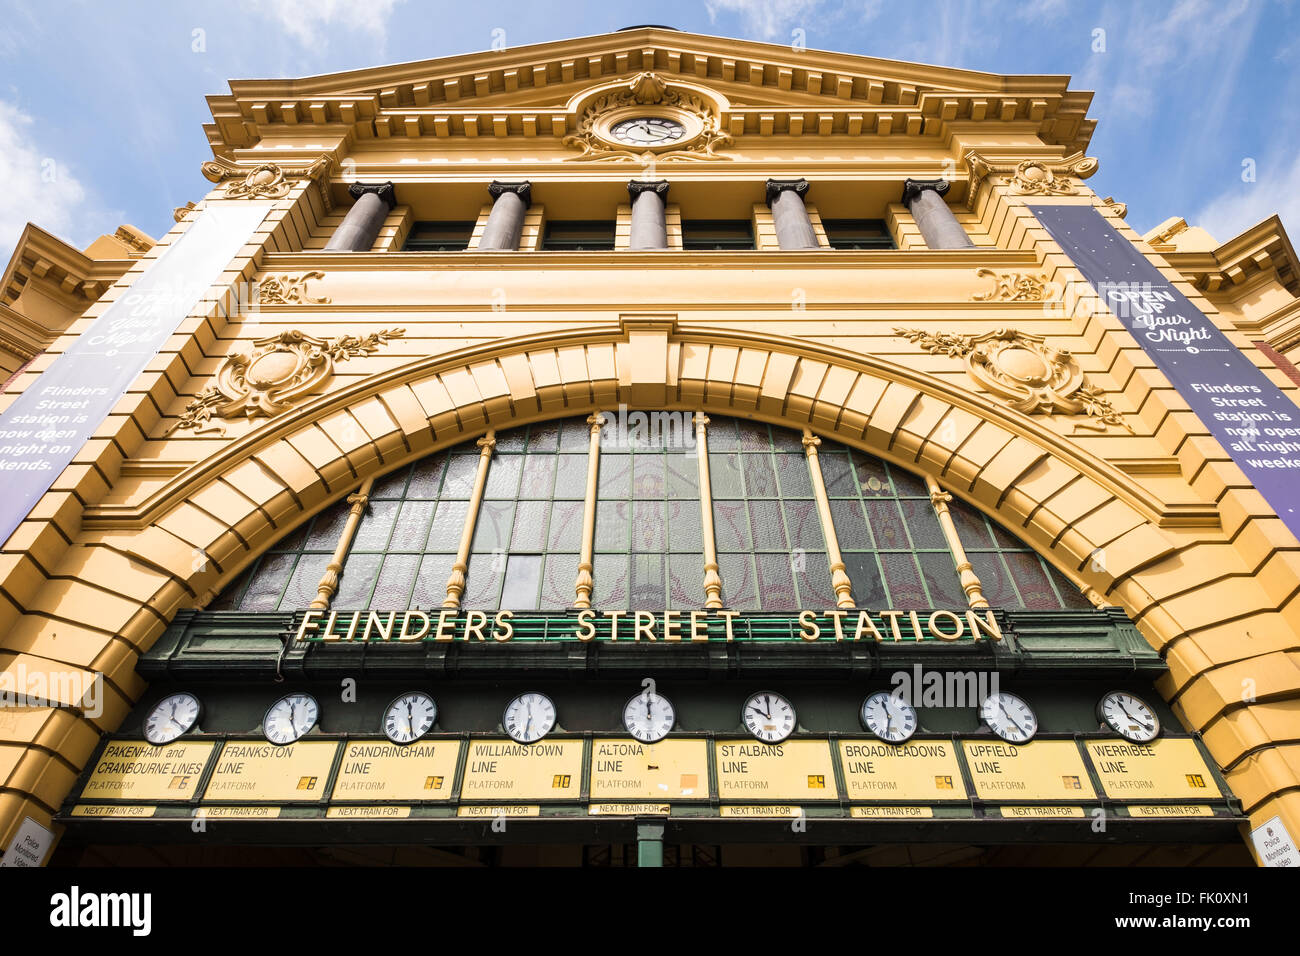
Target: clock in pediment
{"type": "Point", "coordinates": [648, 116]}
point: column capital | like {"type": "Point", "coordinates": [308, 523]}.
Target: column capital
{"type": "Point", "coordinates": [524, 190]}
{"type": "Point", "coordinates": [777, 186]}
{"type": "Point", "coordinates": [638, 186]}
{"type": "Point", "coordinates": [384, 191]}
{"type": "Point", "coordinates": [914, 187]}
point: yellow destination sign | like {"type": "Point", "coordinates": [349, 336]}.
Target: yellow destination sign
{"type": "Point", "coordinates": [1170, 768]}
{"type": "Point", "coordinates": [249, 770]}
{"type": "Point", "coordinates": [1172, 810]}
{"type": "Point", "coordinates": [628, 809]}
{"type": "Point", "coordinates": [892, 813]}
{"type": "Point", "coordinates": [1040, 770]}
{"type": "Point", "coordinates": [239, 813]}
{"type": "Point", "coordinates": [918, 770]}
{"type": "Point", "coordinates": [491, 812]}
{"type": "Point", "coordinates": [794, 770]}
{"type": "Point", "coordinates": [137, 770]}
{"type": "Point", "coordinates": [669, 769]}
{"type": "Point", "coordinates": [379, 770]}
{"type": "Point", "coordinates": [546, 770]}
{"type": "Point", "coordinates": [101, 810]}
{"type": "Point", "coordinates": [772, 810]}
{"type": "Point", "coordinates": [367, 813]}
{"type": "Point", "coordinates": [1041, 812]}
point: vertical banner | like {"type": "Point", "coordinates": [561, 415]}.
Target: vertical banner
{"type": "Point", "coordinates": [45, 427]}
{"type": "Point", "coordinates": [1255, 422]}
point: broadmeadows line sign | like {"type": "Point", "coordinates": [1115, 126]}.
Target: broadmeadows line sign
{"type": "Point", "coordinates": [669, 626]}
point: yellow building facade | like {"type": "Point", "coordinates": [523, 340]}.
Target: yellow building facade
{"type": "Point", "coordinates": [835, 250]}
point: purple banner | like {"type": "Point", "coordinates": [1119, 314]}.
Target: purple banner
{"type": "Point", "coordinates": [44, 428]}
{"type": "Point", "coordinates": [1255, 422]}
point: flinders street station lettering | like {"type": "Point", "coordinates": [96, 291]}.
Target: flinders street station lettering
{"type": "Point", "coordinates": [669, 626]}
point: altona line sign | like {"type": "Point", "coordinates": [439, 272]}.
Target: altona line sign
{"type": "Point", "coordinates": [670, 626]}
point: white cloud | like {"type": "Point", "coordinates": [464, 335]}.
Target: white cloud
{"type": "Point", "coordinates": [38, 188]}
{"type": "Point", "coordinates": [1242, 205]}
{"type": "Point", "coordinates": [766, 19]}
{"type": "Point", "coordinates": [308, 21]}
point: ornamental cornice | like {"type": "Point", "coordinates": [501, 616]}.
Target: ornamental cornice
{"type": "Point", "coordinates": [267, 180]}
{"type": "Point", "coordinates": [1031, 177]}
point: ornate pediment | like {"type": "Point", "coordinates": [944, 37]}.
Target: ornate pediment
{"type": "Point", "coordinates": [763, 89]}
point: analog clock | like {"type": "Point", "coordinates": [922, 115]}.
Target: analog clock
{"type": "Point", "coordinates": [647, 131]}
{"type": "Point", "coordinates": [410, 717]}
{"type": "Point", "coordinates": [529, 717]}
{"type": "Point", "coordinates": [768, 716]}
{"type": "Point", "coordinates": [1129, 716]}
{"type": "Point", "coordinates": [290, 717]}
{"type": "Point", "coordinates": [649, 716]}
{"type": "Point", "coordinates": [172, 716]}
{"type": "Point", "coordinates": [1009, 717]}
{"type": "Point", "coordinates": [890, 718]}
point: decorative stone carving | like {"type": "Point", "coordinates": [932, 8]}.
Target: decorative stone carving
{"type": "Point", "coordinates": [1034, 177]}
{"type": "Point", "coordinates": [1030, 375]}
{"type": "Point", "coordinates": [1012, 287]}
{"type": "Point", "coordinates": [285, 289]}
{"type": "Point", "coordinates": [180, 212]}
{"type": "Point", "coordinates": [133, 239]}
{"type": "Point", "coordinates": [1121, 208]}
{"type": "Point", "coordinates": [649, 89]}
{"type": "Point", "coordinates": [281, 369]}
{"type": "Point", "coordinates": [267, 181]}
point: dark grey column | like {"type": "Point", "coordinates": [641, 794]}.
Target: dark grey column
{"type": "Point", "coordinates": [649, 227]}
{"type": "Point", "coordinates": [361, 225]}
{"type": "Point", "coordinates": [793, 230]}
{"type": "Point", "coordinates": [506, 222]}
{"type": "Point", "coordinates": [939, 228]}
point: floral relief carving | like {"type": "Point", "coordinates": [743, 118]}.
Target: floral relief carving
{"type": "Point", "coordinates": [285, 289]}
{"type": "Point", "coordinates": [266, 181]}
{"type": "Point", "coordinates": [281, 369]}
{"type": "Point", "coordinates": [1027, 373]}
{"type": "Point", "coordinates": [1013, 287]}
{"type": "Point", "coordinates": [648, 89]}
{"type": "Point", "coordinates": [1035, 177]}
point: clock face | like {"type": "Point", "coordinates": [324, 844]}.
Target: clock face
{"type": "Point", "coordinates": [890, 718]}
{"type": "Point", "coordinates": [648, 131]}
{"type": "Point", "coordinates": [649, 717]}
{"type": "Point", "coordinates": [172, 716]}
{"type": "Point", "coordinates": [1009, 717]}
{"type": "Point", "coordinates": [289, 718]}
{"type": "Point", "coordinates": [768, 716]}
{"type": "Point", "coordinates": [529, 717]}
{"type": "Point", "coordinates": [1129, 716]}
{"type": "Point", "coordinates": [410, 717]}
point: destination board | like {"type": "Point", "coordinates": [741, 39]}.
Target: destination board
{"type": "Point", "coordinates": [628, 809]}
{"type": "Point", "coordinates": [546, 770]}
{"type": "Point", "coordinates": [1039, 770]}
{"type": "Point", "coordinates": [892, 813]}
{"type": "Point", "coordinates": [766, 810]}
{"type": "Point", "coordinates": [367, 813]}
{"type": "Point", "coordinates": [137, 770]}
{"type": "Point", "coordinates": [294, 773]}
{"type": "Point", "coordinates": [917, 770]}
{"type": "Point", "coordinates": [1170, 768]}
{"type": "Point", "coordinates": [1172, 810]}
{"type": "Point", "coordinates": [795, 770]}
{"type": "Point", "coordinates": [239, 813]}
{"type": "Point", "coordinates": [492, 812]}
{"type": "Point", "coordinates": [669, 769]}
{"type": "Point", "coordinates": [112, 810]}
{"type": "Point", "coordinates": [379, 770]}
{"type": "Point", "coordinates": [1041, 812]}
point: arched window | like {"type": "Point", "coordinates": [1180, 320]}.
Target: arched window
{"type": "Point", "coordinates": [649, 546]}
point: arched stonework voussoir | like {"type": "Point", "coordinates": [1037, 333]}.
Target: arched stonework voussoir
{"type": "Point", "coordinates": [1027, 477]}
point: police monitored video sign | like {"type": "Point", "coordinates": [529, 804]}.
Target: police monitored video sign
{"type": "Point", "coordinates": [1249, 415]}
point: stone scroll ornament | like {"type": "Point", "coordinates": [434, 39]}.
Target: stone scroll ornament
{"type": "Point", "coordinates": [281, 369]}
{"type": "Point", "coordinates": [648, 89]}
{"type": "Point", "coordinates": [267, 181]}
{"type": "Point", "coordinates": [1027, 373]}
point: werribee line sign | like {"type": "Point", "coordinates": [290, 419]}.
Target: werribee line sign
{"type": "Point", "coordinates": [669, 626]}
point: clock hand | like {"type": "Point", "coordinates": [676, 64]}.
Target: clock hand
{"type": "Point", "coordinates": [1007, 714]}
{"type": "Point", "coordinates": [1137, 720]}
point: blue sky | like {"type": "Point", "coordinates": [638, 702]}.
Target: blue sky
{"type": "Point", "coordinates": [102, 101]}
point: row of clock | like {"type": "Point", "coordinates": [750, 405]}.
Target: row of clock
{"type": "Point", "coordinates": [650, 716]}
